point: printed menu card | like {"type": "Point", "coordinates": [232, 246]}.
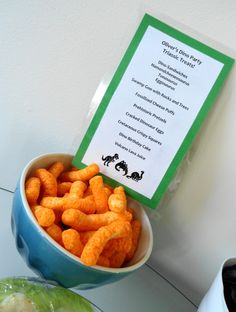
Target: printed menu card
{"type": "Point", "coordinates": [153, 107]}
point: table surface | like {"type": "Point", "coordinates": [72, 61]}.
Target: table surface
{"type": "Point", "coordinates": [54, 54]}
{"type": "Point", "coordinates": [145, 289]}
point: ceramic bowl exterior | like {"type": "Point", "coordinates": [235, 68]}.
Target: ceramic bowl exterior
{"type": "Point", "coordinates": [50, 260]}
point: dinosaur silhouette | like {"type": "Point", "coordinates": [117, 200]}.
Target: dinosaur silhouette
{"type": "Point", "coordinates": [136, 176]}
{"type": "Point", "coordinates": [108, 159]}
{"type": "Point", "coordinates": [122, 165]}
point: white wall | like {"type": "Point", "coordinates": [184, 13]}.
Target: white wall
{"type": "Point", "coordinates": [53, 56]}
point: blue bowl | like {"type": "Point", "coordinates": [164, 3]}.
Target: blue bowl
{"type": "Point", "coordinates": [50, 260]}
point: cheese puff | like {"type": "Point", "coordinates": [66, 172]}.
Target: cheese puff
{"type": "Point", "coordinates": [131, 211]}
{"type": "Point", "coordinates": [103, 261]}
{"type": "Point", "coordinates": [71, 241]}
{"type": "Point", "coordinates": [91, 222]}
{"type": "Point", "coordinates": [77, 189]}
{"type": "Point", "coordinates": [55, 232]}
{"type": "Point", "coordinates": [48, 181]}
{"type": "Point", "coordinates": [117, 203]}
{"type": "Point", "coordinates": [58, 215]}
{"type": "Point", "coordinates": [76, 192]}
{"type": "Point", "coordinates": [88, 191]}
{"type": "Point", "coordinates": [73, 168]}
{"type": "Point", "coordinates": [117, 259]}
{"type": "Point", "coordinates": [136, 230]}
{"type": "Point", "coordinates": [63, 188]}
{"type": "Point", "coordinates": [108, 191]}
{"type": "Point", "coordinates": [32, 190]}
{"type": "Point", "coordinates": [108, 250]}
{"type": "Point", "coordinates": [97, 242]}
{"type": "Point", "coordinates": [56, 169]}
{"type": "Point", "coordinates": [85, 236]}
{"type": "Point", "coordinates": [123, 244]}
{"type": "Point", "coordinates": [55, 203]}
{"type": "Point", "coordinates": [44, 216]}
{"type": "Point", "coordinates": [86, 205]}
{"type": "Point", "coordinates": [108, 187]}
{"type": "Point", "coordinates": [80, 175]}
{"type": "Point", "coordinates": [99, 194]}
{"type": "Point", "coordinates": [119, 190]}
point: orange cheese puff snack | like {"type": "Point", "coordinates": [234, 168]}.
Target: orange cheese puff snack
{"type": "Point", "coordinates": [48, 182]}
{"type": "Point", "coordinates": [117, 259]}
{"type": "Point", "coordinates": [108, 191]}
{"type": "Point", "coordinates": [109, 249]}
{"type": "Point", "coordinates": [117, 245]}
{"type": "Point", "coordinates": [58, 215]}
{"type": "Point", "coordinates": [81, 175]}
{"type": "Point", "coordinates": [44, 216]}
{"type": "Point", "coordinates": [136, 230]}
{"type": "Point", "coordinates": [117, 203]}
{"type": "Point", "coordinates": [131, 211]}
{"type": "Point", "coordinates": [91, 222]}
{"type": "Point", "coordinates": [52, 202]}
{"type": "Point", "coordinates": [103, 261]}
{"type": "Point", "coordinates": [123, 244]}
{"type": "Point", "coordinates": [88, 191]}
{"type": "Point", "coordinates": [73, 168]}
{"type": "Point", "coordinates": [55, 232]}
{"type": "Point", "coordinates": [85, 236]}
{"type": "Point", "coordinates": [71, 241]}
{"type": "Point", "coordinates": [63, 188]}
{"type": "Point", "coordinates": [76, 193]}
{"type": "Point", "coordinates": [56, 169]}
{"type": "Point", "coordinates": [77, 189]}
{"type": "Point", "coordinates": [119, 190]}
{"type": "Point", "coordinates": [108, 187]}
{"type": "Point", "coordinates": [32, 190]}
{"type": "Point", "coordinates": [126, 215]}
{"type": "Point", "coordinates": [97, 242]}
{"type": "Point", "coordinates": [86, 205]}
{"type": "Point", "coordinates": [99, 194]}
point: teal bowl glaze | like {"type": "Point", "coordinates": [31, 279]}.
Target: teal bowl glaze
{"type": "Point", "coordinates": [50, 260]}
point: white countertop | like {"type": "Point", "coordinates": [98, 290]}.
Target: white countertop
{"type": "Point", "coordinates": [53, 56]}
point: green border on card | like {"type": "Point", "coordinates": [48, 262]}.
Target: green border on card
{"type": "Point", "coordinates": [224, 59]}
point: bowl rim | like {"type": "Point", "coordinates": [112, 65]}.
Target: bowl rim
{"type": "Point", "coordinates": [56, 245]}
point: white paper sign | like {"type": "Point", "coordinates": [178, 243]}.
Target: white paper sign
{"type": "Point", "coordinates": [153, 106]}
